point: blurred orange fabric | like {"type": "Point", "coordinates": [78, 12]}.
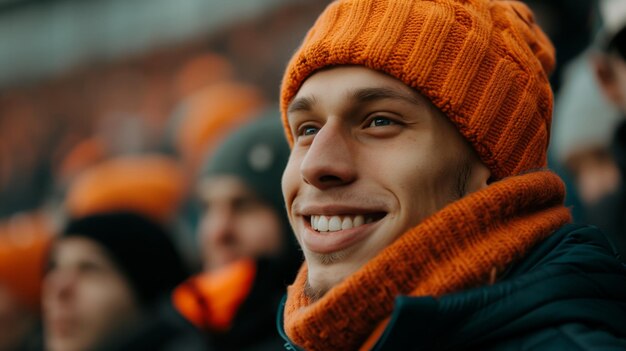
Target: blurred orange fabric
{"type": "Point", "coordinates": [80, 157]}
{"type": "Point", "coordinates": [211, 300]}
{"type": "Point", "coordinates": [211, 114]}
{"type": "Point", "coordinates": [24, 243]}
{"type": "Point", "coordinates": [151, 185]}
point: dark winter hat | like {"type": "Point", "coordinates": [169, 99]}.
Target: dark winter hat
{"type": "Point", "coordinates": [257, 154]}
{"type": "Point", "coordinates": [141, 249]}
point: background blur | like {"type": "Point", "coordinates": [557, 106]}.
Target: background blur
{"type": "Point", "coordinates": [115, 70]}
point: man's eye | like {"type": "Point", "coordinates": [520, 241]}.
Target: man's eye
{"type": "Point", "coordinates": [244, 205]}
{"type": "Point", "coordinates": [380, 122]}
{"type": "Point", "coordinates": [308, 130]}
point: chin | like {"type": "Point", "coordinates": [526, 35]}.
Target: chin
{"type": "Point", "coordinates": [326, 271]}
{"type": "Point", "coordinates": [316, 290]}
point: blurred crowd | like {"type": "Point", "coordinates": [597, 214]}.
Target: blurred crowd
{"type": "Point", "coordinates": [140, 201]}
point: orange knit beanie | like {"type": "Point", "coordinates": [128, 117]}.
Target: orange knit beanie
{"type": "Point", "coordinates": [151, 185]}
{"type": "Point", "coordinates": [484, 63]}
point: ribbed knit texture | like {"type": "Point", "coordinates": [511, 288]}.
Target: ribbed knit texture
{"type": "Point", "coordinates": [454, 249]}
{"type": "Point", "coordinates": [484, 63]}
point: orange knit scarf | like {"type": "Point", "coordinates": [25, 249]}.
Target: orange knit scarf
{"type": "Point", "coordinates": [454, 249]}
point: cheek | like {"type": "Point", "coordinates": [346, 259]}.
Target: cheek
{"type": "Point", "coordinates": [260, 232]}
{"type": "Point", "coordinates": [421, 177]}
{"type": "Point", "coordinates": [203, 230]}
{"type": "Point", "coordinates": [291, 179]}
{"type": "Point", "coordinates": [104, 302]}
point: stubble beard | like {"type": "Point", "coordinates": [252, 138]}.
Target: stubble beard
{"type": "Point", "coordinates": [464, 172]}
{"type": "Point", "coordinates": [317, 292]}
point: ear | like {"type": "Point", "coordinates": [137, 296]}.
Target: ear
{"type": "Point", "coordinates": [605, 75]}
{"type": "Point", "coordinates": [480, 177]}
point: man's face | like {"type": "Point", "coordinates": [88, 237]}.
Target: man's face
{"type": "Point", "coordinates": [371, 159]}
{"type": "Point", "coordinates": [235, 223]}
{"type": "Point", "coordinates": [85, 297]}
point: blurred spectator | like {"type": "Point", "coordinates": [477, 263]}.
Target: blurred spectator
{"type": "Point", "coordinates": [105, 273]}
{"type": "Point", "coordinates": [248, 251]}
{"type": "Point", "coordinates": [243, 219]}
{"type": "Point", "coordinates": [239, 191]}
{"type": "Point", "coordinates": [583, 124]}
{"type": "Point", "coordinates": [24, 240]}
{"type": "Point", "coordinates": [610, 65]}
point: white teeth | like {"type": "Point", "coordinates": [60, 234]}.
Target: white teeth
{"type": "Point", "coordinates": [358, 220]}
{"type": "Point", "coordinates": [322, 224]}
{"type": "Point", "coordinates": [334, 224]}
{"type": "Point", "coordinates": [346, 223]}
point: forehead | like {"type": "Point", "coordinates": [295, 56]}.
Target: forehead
{"type": "Point", "coordinates": [223, 188]}
{"type": "Point", "coordinates": [345, 84]}
{"type": "Point", "coordinates": [79, 249]}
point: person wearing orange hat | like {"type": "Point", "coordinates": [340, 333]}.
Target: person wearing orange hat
{"type": "Point", "coordinates": [417, 188]}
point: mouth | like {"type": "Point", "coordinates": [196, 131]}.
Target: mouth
{"type": "Point", "coordinates": [335, 223]}
{"type": "Point", "coordinates": [62, 327]}
{"type": "Point", "coordinates": [331, 233]}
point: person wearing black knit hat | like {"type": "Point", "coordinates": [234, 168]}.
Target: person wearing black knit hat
{"type": "Point", "coordinates": [105, 272]}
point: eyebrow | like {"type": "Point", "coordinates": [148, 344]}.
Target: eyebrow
{"type": "Point", "coordinates": [363, 95]}
{"type": "Point", "coordinates": [304, 103]}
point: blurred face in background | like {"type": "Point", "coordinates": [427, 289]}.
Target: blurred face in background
{"type": "Point", "coordinates": [15, 320]}
{"type": "Point", "coordinates": [610, 69]}
{"type": "Point", "coordinates": [85, 297]}
{"type": "Point", "coordinates": [236, 223]}
{"type": "Point", "coordinates": [595, 172]}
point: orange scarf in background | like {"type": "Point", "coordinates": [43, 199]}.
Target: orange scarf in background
{"type": "Point", "coordinates": [455, 249]}
{"type": "Point", "coordinates": [211, 300]}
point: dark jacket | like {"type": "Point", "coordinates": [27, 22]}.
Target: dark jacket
{"type": "Point", "coordinates": [568, 293]}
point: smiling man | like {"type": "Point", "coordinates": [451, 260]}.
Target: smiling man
{"type": "Point", "coordinates": [417, 187]}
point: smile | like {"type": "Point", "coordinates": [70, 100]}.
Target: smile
{"type": "Point", "coordinates": [322, 223]}
{"type": "Point", "coordinates": [330, 233]}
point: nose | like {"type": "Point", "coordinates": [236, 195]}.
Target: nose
{"type": "Point", "coordinates": [218, 228]}
{"type": "Point", "coordinates": [329, 160]}
{"type": "Point", "coordinates": [59, 286]}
